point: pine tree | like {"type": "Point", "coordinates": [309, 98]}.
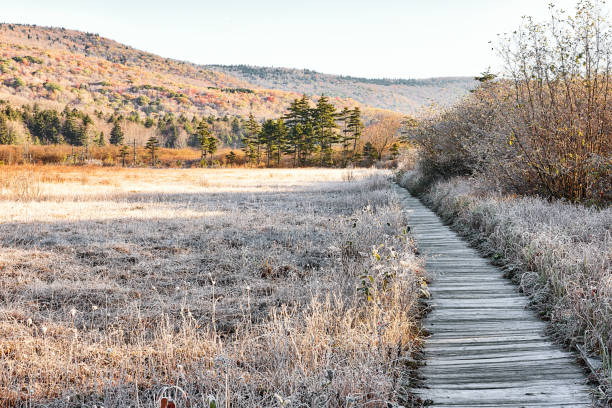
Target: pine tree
{"type": "Point", "coordinates": [273, 137]}
{"type": "Point", "coordinates": [211, 145]}
{"type": "Point", "coordinates": [100, 140]}
{"type": "Point", "coordinates": [249, 139]}
{"type": "Point", "coordinates": [151, 146]}
{"type": "Point", "coordinates": [325, 126]}
{"type": "Point", "coordinates": [72, 131]}
{"type": "Point", "coordinates": [231, 157]}
{"type": "Point", "coordinates": [202, 134]}
{"type": "Point", "coordinates": [394, 150]}
{"type": "Point", "coordinates": [280, 136]}
{"type": "Point", "coordinates": [355, 126]}
{"type": "Point", "coordinates": [300, 140]}
{"type": "Point", "coordinates": [116, 134]}
{"type": "Point", "coordinates": [344, 117]}
{"type": "Point", "coordinates": [123, 153]}
{"type": "Point", "coordinates": [369, 153]}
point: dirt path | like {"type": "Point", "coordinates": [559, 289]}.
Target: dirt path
{"type": "Point", "coordinates": [486, 348]}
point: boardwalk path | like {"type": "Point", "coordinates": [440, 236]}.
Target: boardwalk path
{"type": "Point", "coordinates": [486, 348]}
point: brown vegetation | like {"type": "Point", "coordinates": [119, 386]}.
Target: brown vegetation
{"type": "Point", "coordinates": [246, 287]}
{"type": "Point", "coordinates": [545, 129]}
{"type": "Point", "coordinates": [108, 156]}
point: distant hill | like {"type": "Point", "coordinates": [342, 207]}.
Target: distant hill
{"type": "Point", "coordinates": [58, 67]}
{"type": "Point", "coordinates": [402, 95]}
{"type": "Point", "coordinates": [107, 82]}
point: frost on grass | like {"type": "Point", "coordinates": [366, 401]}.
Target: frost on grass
{"type": "Point", "coordinates": [229, 285]}
{"type": "Point", "coordinates": [559, 253]}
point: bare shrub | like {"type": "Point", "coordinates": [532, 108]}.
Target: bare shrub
{"type": "Point", "coordinates": [544, 128]}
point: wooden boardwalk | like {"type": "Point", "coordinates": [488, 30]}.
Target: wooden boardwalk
{"type": "Point", "coordinates": [486, 348]}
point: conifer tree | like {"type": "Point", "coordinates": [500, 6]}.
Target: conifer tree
{"type": "Point", "coordinates": [369, 153]}
{"type": "Point", "coordinates": [298, 121]}
{"type": "Point", "coordinates": [116, 134]}
{"type": "Point", "coordinates": [123, 153]}
{"type": "Point", "coordinates": [100, 140]}
{"type": "Point", "coordinates": [74, 133]}
{"type": "Point", "coordinates": [355, 126]}
{"type": "Point", "coordinates": [231, 157]}
{"type": "Point", "coordinates": [325, 128]}
{"type": "Point", "coordinates": [344, 117]}
{"type": "Point", "coordinates": [211, 145]}
{"type": "Point", "coordinates": [394, 149]}
{"type": "Point", "coordinates": [202, 134]}
{"type": "Point", "coordinates": [249, 139]}
{"type": "Point", "coordinates": [280, 136]}
{"type": "Point", "coordinates": [151, 146]}
{"type": "Point", "coordinates": [266, 138]}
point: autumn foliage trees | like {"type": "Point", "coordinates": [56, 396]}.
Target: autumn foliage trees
{"type": "Point", "coordinates": [310, 133]}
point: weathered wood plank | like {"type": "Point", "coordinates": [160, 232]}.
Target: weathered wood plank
{"type": "Point", "coordinates": [486, 349]}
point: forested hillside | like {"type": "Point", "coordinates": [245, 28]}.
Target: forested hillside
{"type": "Point", "coordinates": [105, 82]}
{"type": "Point", "coordinates": [402, 95]}
{"type": "Point", "coordinates": [86, 71]}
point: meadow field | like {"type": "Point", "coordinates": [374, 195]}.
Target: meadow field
{"type": "Point", "coordinates": [241, 287]}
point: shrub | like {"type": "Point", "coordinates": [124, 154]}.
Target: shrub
{"type": "Point", "coordinates": [52, 87]}
{"type": "Point", "coordinates": [545, 128]}
{"type": "Point", "coordinates": [17, 82]}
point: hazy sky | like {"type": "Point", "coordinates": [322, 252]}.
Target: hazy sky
{"type": "Point", "coordinates": [376, 38]}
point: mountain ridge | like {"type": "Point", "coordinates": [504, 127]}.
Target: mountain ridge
{"type": "Point", "coordinates": [402, 95]}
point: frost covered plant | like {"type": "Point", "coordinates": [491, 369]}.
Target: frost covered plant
{"type": "Point", "coordinates": [560, 253]}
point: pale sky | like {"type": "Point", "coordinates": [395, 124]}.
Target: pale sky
{"type": "Point", "coordinates": [384, 38]}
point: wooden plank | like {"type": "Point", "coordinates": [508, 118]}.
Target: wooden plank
{"type": "Point", "coordinates": [485, 348]}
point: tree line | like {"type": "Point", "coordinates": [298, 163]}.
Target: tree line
{"type": "Point", "coordinates": [78, 128]}
{"type": "Point", "coordinates": [309, 133]}
{"type": "Point", "coordinates": [305, 134]}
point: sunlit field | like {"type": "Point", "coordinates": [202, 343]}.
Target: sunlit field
{"type": "Point", "coordinates": [234, 286]}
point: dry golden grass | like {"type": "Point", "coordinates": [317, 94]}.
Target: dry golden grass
{"type": "Point", "coordinates": [247, 286]}
{"type": "Point", "coordinates": [106, 155]}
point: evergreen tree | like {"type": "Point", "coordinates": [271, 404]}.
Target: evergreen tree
{"type": "Point", "coordinates": [273, 137]}
{"type": "Point", "coordinates": [280, 138]}
{"type": "Point", "coordinates": [44, 125]}
{"type": "Point", "coordinates": [369, 153]}
{"type": "Point", "coordinates": [100, 140]}
{"type": "Point", "coordinates": [202, 134]}
{"type": "Point", "coordinates": [74, 133]}
{"type": "Point", "coordinates": [325, 129]}
{"type": "Point", "coordinates": [169, 130]}
{"type": "Point", "coordinates": [300, 130]}
{"type": "Point", "coordinates": [211, 145]}
{"type": "Point", "coordinates": [249, 139]}
{"type": "Point", "coordinates": [355, 126]}
{"type": "Point", "coordinates": [266, 138]}
{"type": "Point", "coordinates": [151, 146]}
{"type": "Point", "coordinates": [123, 153]}
{"type": "Point", "coordinates": [116, 134]}
{"type": "Point", "coordinates": [344, 117]}
{"type": "Point", "coordinates": [394, 150]}
{"type": "Point", "coordinates": [231, 157]}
